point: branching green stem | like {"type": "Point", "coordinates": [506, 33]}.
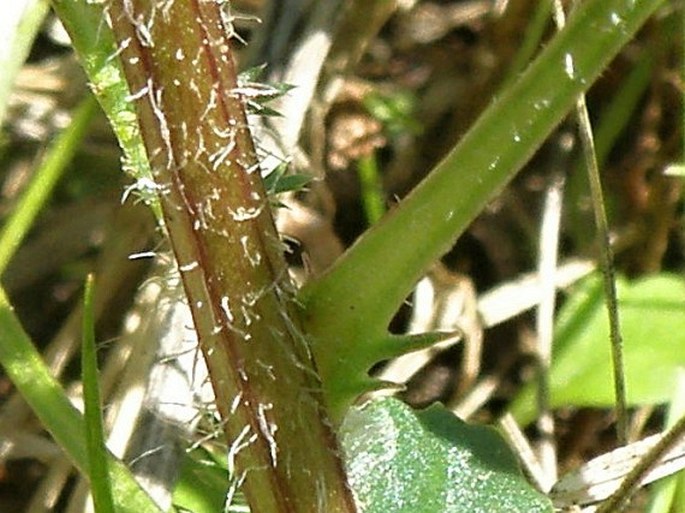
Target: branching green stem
{"type": "Point", "coordinates": [348, 309]}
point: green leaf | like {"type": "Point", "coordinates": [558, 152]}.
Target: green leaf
{"type": "Point", "coordinates": [202, 485]}
{"type": "Point", "coordinates": [100, 481]}
{"type": "Point", "coordinates": [257, 94]}
{"type": "Point", "coordinates": [652, 315]}
{"type": "Point", "coordinates": [252, 74]}
{"type": "Point", "coordinates": [20, 29]}
{"type": "Point", "coordinates": [278, 181]}
{"type": "Point", "coordinates": [430, 461]}
{"type": "Point", "coordinates": [395, 111]}
{"type": "Point", "coordinates": [44, 180]}
{"type": "Point", "coordinates": [29, 374]}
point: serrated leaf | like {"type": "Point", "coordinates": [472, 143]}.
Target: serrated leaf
{"type": "Point", "coordinates": [261, 110]}
{"type": "Point", "coordinates": [278, 181]}
{"type": "Point", "coordinates": [291, 183]}
{"type": "Point", "coordinates": [251, 74]}
{"type": "Point", "coordinates": [652, 316]}
{"type": "Point", "coordinates": [429, 461]}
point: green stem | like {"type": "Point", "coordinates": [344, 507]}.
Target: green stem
{"type": "Point", "coordinates": [371, 188]}
{"type": "Point", "coordinates": [349, 308]}
{"type": "Point", "coordinates": [608, 272]}
{"type": "Point", "coordinates": [607, 257]}
{"type": "Point", "coordinates": [535, 31]}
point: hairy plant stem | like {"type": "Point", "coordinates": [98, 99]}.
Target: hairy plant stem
{"type": "Point", "coordinates": [178, 63]}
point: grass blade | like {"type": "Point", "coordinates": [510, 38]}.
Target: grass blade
{"type": "Point", "coordinates": [18, 28]}
{"type": "Point", "coordinates": [100, 483]}
{"type": "Point", "coordinates": [25, 367]}
{"type": "Point", "coordinates": [43, 183]}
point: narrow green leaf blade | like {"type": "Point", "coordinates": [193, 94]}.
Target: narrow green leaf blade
{"type": "Point", "coordinates": [44, 181]}
{"type": "Point", "coordinates": [100, 483]}
{"type": "Point", "coordinates": [402, 461]}
{"type": "Point", "coordinates": [21, 23]}
{"type": "Point", "coordinates": [25, 367]}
